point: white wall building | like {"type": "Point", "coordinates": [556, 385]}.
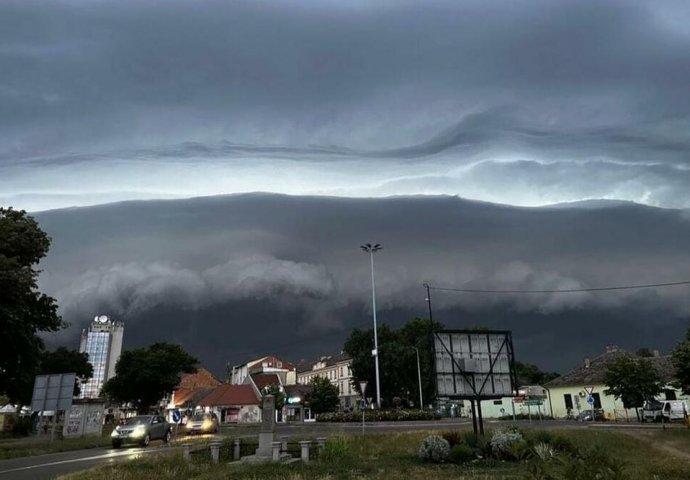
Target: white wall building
{"type": "Point", "coordinates": [102, 341]}
{"type": "Point", "coordinates": [338, 369]}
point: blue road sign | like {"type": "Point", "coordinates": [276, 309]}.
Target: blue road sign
{"type": "Point", "coordinates": [590, 400]}
{"type": "Point", "coordinates": [176, 416]}
{"type": "Point", "coordinates": [362, 404]}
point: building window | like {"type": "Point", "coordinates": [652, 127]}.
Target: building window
{"type": "Point", "coordinates": [568, 398]}
{"type": "Point", "coordinates": [498, 402]}
{"type": "Point", "coordinates": [670, 394]}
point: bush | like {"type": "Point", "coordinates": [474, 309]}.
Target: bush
{"type": "Point", "coordinates": [336, 450]}
{"type": "Point", "coordinates": [503, 444]}
{"type": "Point", "coordinates": [377, 416]}
{"type": "Point", "coordinates": [453, 437]}
{"type": "Point", "coordinates": [434, 449]}
{"type": "Point", "coordinates": [461, 453]}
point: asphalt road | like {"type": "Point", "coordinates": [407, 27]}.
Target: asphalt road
{"type": "Point", "coordinates": [46, 467]}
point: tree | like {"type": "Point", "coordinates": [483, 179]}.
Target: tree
{"type": "Point", "coordinates": [397, 360]}
{"type": "Point", "coordinates": [63, 360]}
{"type": "Point", "coordinates": [529, 374]}
{"type": "Point", "coordinates": [681, 361]}
{"type": "Point", "coordinates": [633, 380]}
{"type": "Point", "coordinates": [145, 375]}
{"type": "Point", "coordinates": [323, 397]}
{"type": "Point", "coordinates": [24, 311]}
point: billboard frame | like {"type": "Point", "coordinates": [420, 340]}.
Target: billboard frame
{"type": "Point", "coordinates": [477, 395]}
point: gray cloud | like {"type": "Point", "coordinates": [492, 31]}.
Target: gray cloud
{"type": "Point", "coordinates": [124, 99]}
{"type": "Point", "coordinates": [221, 267]}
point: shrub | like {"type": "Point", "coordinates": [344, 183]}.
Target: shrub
{"type": "Point", "coordinates": [544, 451]}
{"type": "Point", "coordinates": [461, 453]}
{"type": "Point", "coordinates": [434, 449]}
{"type": "Point", "coordinates": [453, 437]}
{"type": "Point", "coordinates": [378, 416]}
{"type": "Point", "coordinates": [503, 441]}
{"type": "Point", "coordinates": [336, 450]}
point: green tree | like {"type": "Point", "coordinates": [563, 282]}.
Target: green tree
{"type": "Point", "coordinates": [323, 397]}
{"type": "Point", "coordinates": [681, 361]}
{"type": "Point", "coordinates": [24, 311]}
{"type": "Point", "coordinates": [397, 360]}
{"type": "Point", "coordinates": [529, 374]}
{"type": "Point", "coordinates": [633, 380]}
{"type": "Point", "coordinates": [63, 360]}
{"type": "Point", "coordinates": [145, 375]}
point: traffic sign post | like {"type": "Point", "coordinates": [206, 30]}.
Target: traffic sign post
{"type": "Point", "coordinates": [176, 418]}
{"type": "Point", "coordinates": [590, 400]}
{"type": "Point", "coordinates": [363, 389]}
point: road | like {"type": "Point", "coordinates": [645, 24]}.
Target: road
{"type": "Point", "coordinates": [46, 467]}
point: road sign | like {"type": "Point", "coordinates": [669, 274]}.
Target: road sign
{"type": "Point", "coordinates": [590, 400]}
{"type": "Point", "coordinates": [176, 416]}
{"type": "Point", "coordinates": [363, 387]}
{"type": "Point", "coordinates": [589, 390]}
{"type": "Point", "coordinates": [534, 402]}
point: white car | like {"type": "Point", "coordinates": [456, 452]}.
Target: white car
{"type": "Point", "coordinates": [666, 410]}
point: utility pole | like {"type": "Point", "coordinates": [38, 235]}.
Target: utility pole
{"type": "Point", "coordinates": [371, 249]}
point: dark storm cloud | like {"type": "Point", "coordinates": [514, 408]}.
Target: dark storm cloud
{"type": "Point", "coordinates": [238, 275]}
{"type": "Point", "coordinates": [192, 88]}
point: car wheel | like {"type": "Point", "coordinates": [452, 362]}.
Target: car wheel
{"type": "Point", "coordinates": [146, 440]}
{"type": "Point", "coordinates": [117, 443]}
{"type": "Point", "coordinates": [167, 437]}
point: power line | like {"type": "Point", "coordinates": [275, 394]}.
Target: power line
{"type": "Point", "coordinates": [565, 290]}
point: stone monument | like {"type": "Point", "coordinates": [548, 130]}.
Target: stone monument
{"type": "Point", "coordinates": [268, 428]}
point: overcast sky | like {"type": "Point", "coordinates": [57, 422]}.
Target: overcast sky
{"type": "Point", "coordinates": [521, 103]}
{"type": "Point", "coordinates": [525, 103]}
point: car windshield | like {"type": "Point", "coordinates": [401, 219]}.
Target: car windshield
{"type": "Point", "coordinates": [652, 405]}
{"type": "Point", "coordinates": [200, 417]}
{"type": "Point", "coordinates": [138, 421]}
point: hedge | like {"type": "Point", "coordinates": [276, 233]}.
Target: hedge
{"type": "Point", "coordinates": [378, 416]}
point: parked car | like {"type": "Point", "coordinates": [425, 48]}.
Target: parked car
{"type": "Point", "coordinates": [202, 423]}
{"type": "Point", "coordinates": [141, 430]}
{"type": "Point", "coordinates": [586, 416]}
{"type": "Point", "coordinates": [656, 410]}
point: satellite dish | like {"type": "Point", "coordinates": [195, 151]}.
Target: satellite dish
{"type": "Point", "coordinates": [95, 319]}
{"type": "Point", "coordinates": [103, 319]}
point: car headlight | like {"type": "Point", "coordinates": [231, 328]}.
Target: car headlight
{"type": "Point", "coordinates": [139, 431]}
{"type": "Point", "coordinates": [207, 425]}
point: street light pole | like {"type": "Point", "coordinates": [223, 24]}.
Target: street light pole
{"type": "Point", "coordinates": [371, 249]}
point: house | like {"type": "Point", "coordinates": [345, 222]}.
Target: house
{"type": "Point", "coordinates": [336, 368]}
{"type": "Point", "coordinates": [530, 400]}
{"type": "Point", "coordinates": [268, 364]}
{"type": "Point", "coordinates": [233, 403]}
{"type": "Point", "coordinates": [192, 388]}
{"type": "Point", "coordinates": [568, 393]}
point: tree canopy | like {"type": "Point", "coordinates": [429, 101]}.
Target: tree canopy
{"type": "Point", "coordinates": [144, 376]}
{"type": "Point", "coordinates": [529, 374]}
{"type": "Point", "coordinates": [632, 379]}
{"type": "Point", "coordinates": [397, 360]}
{"type": "Point", "coordinates": [63, 360]}
{"type": "Point", "coordinates": [24, 311]}
{"type": "Point", "coordinates": [681, 361]}
{"type": "Point", "coordinates": [323, 396]}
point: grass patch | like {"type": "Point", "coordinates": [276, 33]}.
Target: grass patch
{"type": "Point", "coordinates": [394, 455]}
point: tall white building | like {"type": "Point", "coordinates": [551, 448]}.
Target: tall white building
{"type": "Point", "coordinates": [102, 341]}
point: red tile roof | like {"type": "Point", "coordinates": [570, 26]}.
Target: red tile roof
{"type": "Point", "coordinates": [202, 378]}
{"type": "Point", "coordinates": [262, 380]}
{"type": "Point", "coordinates": [226, 395]}
{"type": "Point", "coordinates": [191, 396]}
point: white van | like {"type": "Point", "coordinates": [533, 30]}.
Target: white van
{"type": "Point", "coordinates": [655, 410]}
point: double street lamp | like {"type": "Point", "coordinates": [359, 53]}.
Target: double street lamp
{"type": "Point", "coordinates": [371, 249]}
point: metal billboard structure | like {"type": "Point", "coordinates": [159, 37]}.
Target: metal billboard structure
{"type": "Point", "coordinates": [474, 365]}
{"type": "Point", "coordinates": [53, 392]}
